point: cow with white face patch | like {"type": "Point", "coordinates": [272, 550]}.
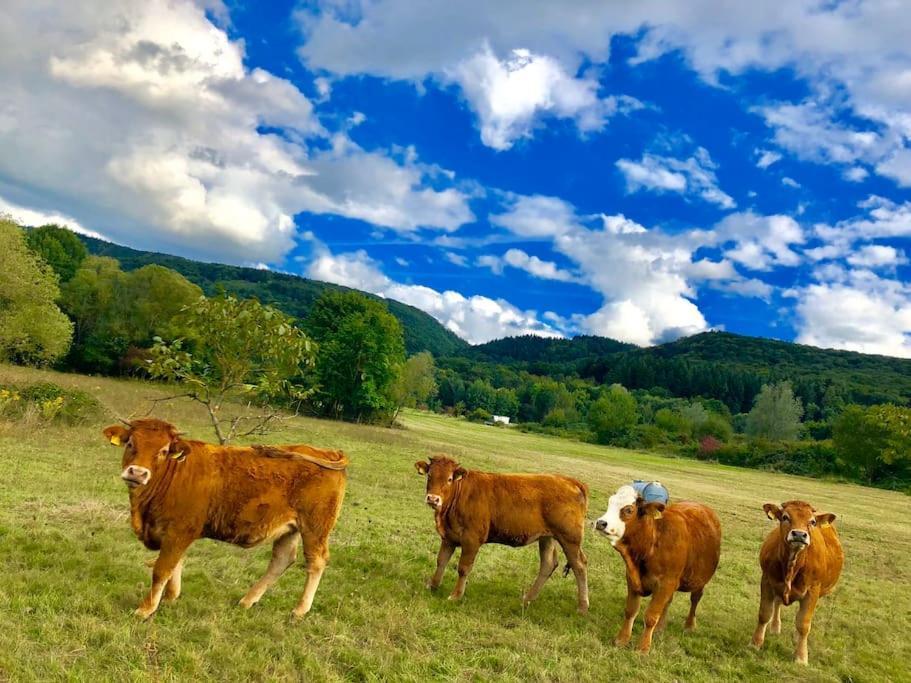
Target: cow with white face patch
{"type": "Point", "coordinates": [666, 549]}
{"type": "Point", "coordinates": [801, 561]}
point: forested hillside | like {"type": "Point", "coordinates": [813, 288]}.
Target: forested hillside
{"type": "Point", "coordinates": [292, 294]}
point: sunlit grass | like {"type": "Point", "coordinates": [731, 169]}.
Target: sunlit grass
{"type": "Point", "coordinates": [71, 571]}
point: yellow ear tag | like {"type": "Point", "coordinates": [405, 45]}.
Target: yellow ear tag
{"type": "Point", "coordinates": [179, 456]}
{"type": "Point", "coordinates": [824, 525]}
{"type": "Point", "coordinates": [657, 514]}
{"type": "Point", "coordinates": [116, 440]}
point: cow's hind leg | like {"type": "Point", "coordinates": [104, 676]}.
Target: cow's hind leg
{"type": "Point", "coordinates": [170, 556]}
{"type": "Point", "coordinates": [547, 550]}
{"type": "Point", "coordinates": [316, 552]}
{"type": "Point", "coordinates": [578, 562]}
{"type": "Point", "coordinates": [284, 552]}
{"type": "Point", "coordinates": [690, 623]}
{"type": "Point", "coordinates": [172, 590]}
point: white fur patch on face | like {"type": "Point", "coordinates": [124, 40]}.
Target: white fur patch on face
{"type": "Point", "coordinates": [613, 526]}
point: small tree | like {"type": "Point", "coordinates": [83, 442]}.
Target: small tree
{"type": "Point", "coordinates": [776, 414]}
{"type": "Point", "coordinates": [59, 248]}
{"type": "Point", "coordinates": [613, 415]}
{"type": "Point", "coordinates": [361, 350]}
{"type": "Point", "coordinates": [239, 348]}
{"type": "Point", "coordinates": [416, 383]}
{"type": "Point", "coordinates": [33, 330]}
{"type": "Point", "coordinates": [875, 441]}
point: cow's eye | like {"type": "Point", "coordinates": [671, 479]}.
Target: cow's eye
{"type": "Point", "coordinates": [812, 522]}
{"type": "Point", "coordinates": [785, 518]}
{"type": "Point", "coordinates": [628, 510]}
{"type": "Point", "coordinates": [449, 481]}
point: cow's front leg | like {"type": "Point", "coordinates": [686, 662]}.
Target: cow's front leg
{"type": "Point", "coordinates": [767, 601]}
{"type": "Point", "coordinates": [466, 562]}
{"type": "Point", "coordinates": [633, 577]}
{"type": "Point", "coordinates": [653, 612]}
{"type": "Point", "coordinates": [169, 559]}
{"type": "Point", "coordinates": [633, 602]}
{"type": "Point", "coordinates": [804, 620]}
{"type": "Point", "coordinates": [443, 557]}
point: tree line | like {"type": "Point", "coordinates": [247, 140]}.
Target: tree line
{"type": "Point", "coordinates": [346, 359]}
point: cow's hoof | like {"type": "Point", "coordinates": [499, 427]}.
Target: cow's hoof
{"type": "Point", "coordinates": [689, 627]}
{"type": "Point", "coordinates": [429, 585]}
{"type": "Point", "coordinates": [582, 609]}
{"type": "Point", "coordinates": [802, 662]}
{"type": "Point", "coordinates": [246, 603]}
{"type": "Point", "coordinates": [621, 642]}
{"type": "Point", "coordinates": [143, 613]}
{"type": "Point", "coordinates": [775, 629]}
{"type": "Point", "coordinates": [454, 598]}
{"type": "Point", "coordinates": [298, 616]}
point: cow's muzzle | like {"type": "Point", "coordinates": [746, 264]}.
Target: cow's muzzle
{"type": "Point", "coordinates": [798, 539]}
{"type": "Point", "coordinates": [434, 501]}
{"type": "Point", "coordinates": [134, 476]}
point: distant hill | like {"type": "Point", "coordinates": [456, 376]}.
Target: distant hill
{"type": "Point", "coordinates": [729, 367]}
{"type": "Point", "coordinates": [292, 294]}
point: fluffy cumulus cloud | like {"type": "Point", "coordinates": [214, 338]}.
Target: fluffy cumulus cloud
{"type": "Point", "coordinates": [856, 310]}
{"type": "Point", "coordinates": [854, 55]}
{"type": "Point", "coordinates": [475, 318]}
{"type": "Point", "coordinates": [167, 140]}
{"type": "Point", "coordinates": [760, 242]}
{"type": "Point", "coordinates": [516, 258]}
{"type": "Point", "coordinates": [694, 176]}
{"type": "Point", "coordinates": [511, 94]}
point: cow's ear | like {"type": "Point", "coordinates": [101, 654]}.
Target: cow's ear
{"type": "Point", "coordinates": [116, 434]}
{"type": "Point", "coordinates": [772, 511]}
{"type": "Point", "coordinates": [422, 467]}
{"type": "Point", "coordinates": [179, 449]}
{"type": "Point", "coordinates": [824, 518]}
{"type": "Point", "coordinates": [459, 473]}
{"type": "Point", "coordinates": [654, 510]}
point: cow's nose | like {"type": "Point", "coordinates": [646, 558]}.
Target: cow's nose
{"type": "Point", "coordinates": [432, 499]}
{"type": "Point", "coordinates": [601, 525]}
{"type": "Point", "coordinates": [798, 535]}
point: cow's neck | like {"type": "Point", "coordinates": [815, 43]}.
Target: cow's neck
{"type": "Point", "coordinates": [441, 514]}
{"type": "Point", "coordinates": [142, 498]}
{"type": "Point", "coordinates": [792, 561]}
{"type": "Point", "coordinates": [641, 543]}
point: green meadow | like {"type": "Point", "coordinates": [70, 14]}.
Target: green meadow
{"type": "Point", "coordinates": [71, 571]}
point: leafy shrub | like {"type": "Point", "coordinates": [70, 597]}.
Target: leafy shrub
{"type": "Point", "coordinates": [708, 445]}
{"type": "Point", "coordinates": [809, 458]}
{"type": "Point", "coordinates": [715, 426]}
{"type": "Point", "coordinates": [48, 402]}
{"type": "Point", "coordinates": [480, 415]}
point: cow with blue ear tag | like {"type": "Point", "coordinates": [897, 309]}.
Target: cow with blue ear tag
{"type": "Point", "coordinates": [666, 548]}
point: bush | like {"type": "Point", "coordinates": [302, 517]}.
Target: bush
{"type": "Point", "coordinates": [715, 426]}
{"type": "Point", "coordinates": [48, 402]}
{"type": "Point", "coordinates": [818, 430]}
{"type": "Point", "coordinates": [480, 415]}
{"type": "Point", "coordinates": [809, 458]}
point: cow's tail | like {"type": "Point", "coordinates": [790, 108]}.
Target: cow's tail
{"type": "Point", "coordinates": [274, 452]}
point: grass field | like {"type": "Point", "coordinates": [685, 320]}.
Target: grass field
{"type": "Point", "coordinates": [71, 571]}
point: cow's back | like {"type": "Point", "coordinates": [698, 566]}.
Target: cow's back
{"type": "Point", "coordinates": [516, 509]}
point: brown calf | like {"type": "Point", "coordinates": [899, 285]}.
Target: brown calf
{"type": "Point", "coordinates": [801, 561]}
{"type": "Point", "coordinates": [473, 508]}
{"type": "Point", "coordinates": [665, 549]}
{"type": "Point", "coordinates": [183, 490]}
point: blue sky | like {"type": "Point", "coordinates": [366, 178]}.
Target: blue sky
{"type": "Point", "coordinates": [640, 172]}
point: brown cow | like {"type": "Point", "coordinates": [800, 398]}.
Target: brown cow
{"type": "Point", "coordinates": [665, 549]}
{"type": "Point", "coordinates": [183, 490]}
{"type": "Point", "coordinates": [801, 561]}
{"type": "Point", "coordinates": [473, 508]}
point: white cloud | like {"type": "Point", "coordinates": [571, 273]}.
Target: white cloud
{"type": "Point", "coordinates": [34, 218]}
{"type": "Point", "coordinates": [536, 216]}
{"type": "Point", "coordinates": [858, 311]}
{"type": "Point", "coordinates": [877, 256]}
{"type": "Point", "coordinates": [692, 176]}
{"type": "Point", "coordinates": [475, 318]}
{"type": "Point", "coordinates": [855, 174]}
{"type": "Point", "coordinates": [760, 242]}
{"type": "Point", "coordinates": [402, 262]}
{"type": "Point", "coordinates": [456, 259]}
{"type": "Point", "coordinates": [139, 119]}
{"type": "Point", "coordinates": [857, 49]}
{"type": "Point", "coordinates": [897, 166]}
{"type": "Point", "coordinates": [790, 182]}
{"type": "Point", "coordinates": [546, 270]}
{"type": "Point", "coordinates": [510, 95]}
{"type": "Point", "coordinates": [767, 158]}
